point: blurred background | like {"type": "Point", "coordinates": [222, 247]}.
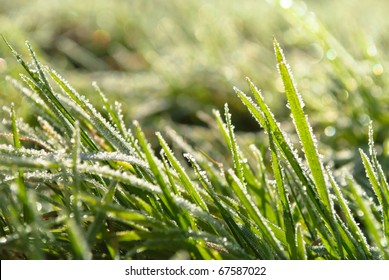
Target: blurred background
{"type": "Point", "coordinates": [166, 61]}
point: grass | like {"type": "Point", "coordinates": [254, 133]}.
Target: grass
{"type": "Point", "coordinates": [86, 181]}
{"type": "Point", "coordinates": [183, 64]}
{"type": "Point", "coordinates": [83, 184]}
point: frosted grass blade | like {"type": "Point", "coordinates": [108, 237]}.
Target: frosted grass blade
{"type": "Point", "coordinates": [304, 129]}
{"type": "Point", "coordinates": [235, 151]}
{"type": "Point", "coordinates": [288, 222]}
{"type": "Point", "coordinates": [235, 229]}
{"type": "Point", "coordinates": [156, 168]}
{"type": "Point", "coordinates": [308, 141]}
{"type": "Point", "coordinates": [22, 190]}
{"type": "Point", "coordinates": [358, 236]}
{"type": "Point", "coordinates": [383, 200]}
{"type": "Point", "coordinates": [189, 185]}
{"type": "Point", "coordinates": [99, 122]}
{"type": "Point", "coordinates": [384, 186]}
{"type": "Point", "coordinates": [266, 119]}
{"type": "Point", "coordinates": [115, 116]}
{"type": "Point", "coordinates": [300, 244]}
{"type": "Point", "coordinates": [263, 115]}
{"type": "Point", "coordinates": [369, 221]}
{"type": "Point", "coordinates": [244, 198]}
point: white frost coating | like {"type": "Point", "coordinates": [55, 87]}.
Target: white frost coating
{"type": "Point", "coordinates": [167, 164]}
{"type": "Point", "coordinates": [197, 212]}
{"type": "Point", "coordinates": [100, 123]}
{"type": "Point", "coordinates": [99, 91]}
{"type": "Point", "coordinates": [24, 151]}
{"type": "Point", "coordinates": [124, 177]}
{"type": "Point", "coordinates": [190, 186]}
{"type": "Point", "coordinates": [25, 91]}
{"type": "Point", "coordinates": [119, 123]}
{"type": "Point", "coordinates": [6, 109]}
{"type": "Point", "coordinates": [178, 168]}
{"type": "Point", "coordinates": [241, 185]}
{"type": "Point", "coordinates": [250, 100]}
{"type": "Point", "coordinates": [53, 138]}
{"type": "Point", "coordinates": [119, 113]}
{"type": "Point", "coordinates": [270, 117]}
{"type": "Point", "coordinates": [41, 174]}
{"type": "Point", "coordinates": [115, 156]}
{"type": "Point", "coordinates": [201, 173]}
{"type": "Point", "coordinates": [372, 150]}
{"type": "Point", "coordinates": [287, 66]}
{"type": "Point", "coordinates": [233, 144]}
{"type": "Point", "coordinates": [179, 140]}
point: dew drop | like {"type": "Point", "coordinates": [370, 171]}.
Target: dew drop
{"type": "Point", "coordinates": [38, 206]}
{"type": "Point", "coordinates": [330, 131]}
{"type": "Point", "coordinates": [331, 54]}
{"type": "Point", "coordinates": [372, 50]}
{"type": "Point", "coordinates": [286, 4]}
{"type": "Point", "coordinates": [378, 69]}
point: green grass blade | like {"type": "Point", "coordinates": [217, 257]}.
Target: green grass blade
{"type": "Point", "coordinates": [235, 229]}
{"type": "Point", "coordinates": [15, 130]}
{"type": "Point", "coordinates": [100, 123]}
{"type": "Point", "coordinates": [188, 184]}
{"type": "Point", "coordinates": [384, 186]}
{"type": "Point", "coordinates": [78, 241]}
{"type": "Point", "coordinates": [304, 129]}
{"type": "Point", "coordinates": [29, 216]}
{"type": "Point", "coordinates": [156, 168]}
{"type": "Point", "coordinates": [22, 190]}
{"type": "Point", "coordinates": [76, 178]}
{"type": "Point", "coordinates": [244, 199]}
{"type": "Point", "coordinates": [47, 94]}
{"type": "Point", "coordinates": [182, 215]}
{"type": "Point", "coordinates": [300, 244]}
{"type": "Point", "coordinates": [288, 222]}
{"type": "Point", "coordinates": [101, 215]}
{"type": "Point", "coordinates": [378, 190]}
{"type": "Point", "coordinates": [307, 139]}
{"type": "Point", "coordinates": [367, 217]}
{"type": "Point", "coordinates": [41, 86]}
{"type": "Point", "coordinates": [115, 115]}
{"type": "Point", "coordinates": [266, 119]}
{"type": "Point", "coordinates": [234, 145]}
{"type": "Point", "coordinates": [32, 96]}
{"type": "Point", "coordinates": [356, 232]}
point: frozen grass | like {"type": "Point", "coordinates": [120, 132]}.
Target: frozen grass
{"type": "Point", "coordinates": [82, 184]}
{"type": "Point", "coordinates": [184, 61]}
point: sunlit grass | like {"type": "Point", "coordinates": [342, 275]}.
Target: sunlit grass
{"type": "Point", "coordinates": [83, 183]}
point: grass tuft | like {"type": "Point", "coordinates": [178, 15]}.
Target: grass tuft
{"type": "Point", "coordinates": [79, 184]}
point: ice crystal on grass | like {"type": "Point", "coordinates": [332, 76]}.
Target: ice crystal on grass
{"type": "Point", "coordinates": [120, 176]}
{"type": "Point", "coordinates": [200, 214]}
{"type": "Point", "coordinates": [115, 156]}
{"type": "Point", "coordinates": [100, 123]}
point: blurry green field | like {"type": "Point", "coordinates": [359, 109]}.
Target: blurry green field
{"type": "Point", "coordinates": [170, 63]}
